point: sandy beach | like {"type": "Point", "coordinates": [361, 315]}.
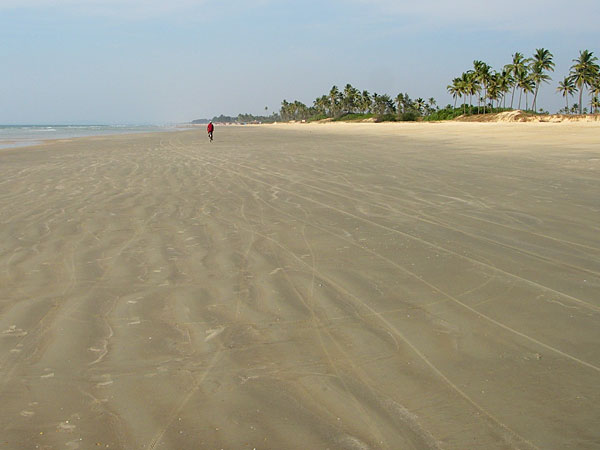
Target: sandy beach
{"type": "Point", "coordinates": [324, 286]}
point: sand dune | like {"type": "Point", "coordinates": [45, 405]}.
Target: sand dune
{"type": "Point", "coordinates": [341, 286]}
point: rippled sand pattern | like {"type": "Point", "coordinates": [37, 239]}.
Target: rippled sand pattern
{"type": "Point", "coordinates": [302, 288]}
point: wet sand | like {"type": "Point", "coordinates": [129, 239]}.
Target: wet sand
{"type": "Point", "coordinates": [291, 287]}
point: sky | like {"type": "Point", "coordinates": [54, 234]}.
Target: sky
{"type": "Point", "coordinates": [172, 61]}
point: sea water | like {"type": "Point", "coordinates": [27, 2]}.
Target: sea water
{"type": "Point", "coordinates": [24, 135]}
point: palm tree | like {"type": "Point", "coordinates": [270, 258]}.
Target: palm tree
{"type": "Point", "coordinates": [455, 90]}
{"type": "Point", "coordinates": [419, 105]}
{"type": "Point", "coordinates": [493, 91]}
{"type": "Point", "coordinates": [431, 104]}
{"type": "Point", "coordinates": [519, 64]}
{"type": "Point", "coordinates": [470, 85]}
{"type": "Point", "coordinates": [566, 88]}
{"type": "Point", "coordinates": [594, 93]}
{"type": "Point", "coordinates": [399, 103]}
{"type": "Point", "coordinates": [321, 104]}
{"type": "Point", "coordinates": [542, 61]}
{"type": "Point", "coordinates": [595, 103]}
{"type": "Point", "coordinates": [583, 72]}
{"type": "Point", "coordinates": [349, 99]}
{"type": "Point", "coordinates": [483, 75]}
{"type": "Point", "coordinates": [523, 82]}
{"type": "Point", "coordinates": [528, 87]}
{"type": "Point", "coordinates": [383, 104]}
{"type": "Point", "coordinates": [334, 100]}
{"type": "Point", "coordinates": [505, 82]}
{"type": "Point", "coordinates": [365, 102]}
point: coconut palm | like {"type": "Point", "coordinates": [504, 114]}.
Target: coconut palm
{"type": "Point", "coordinates": [365, 102]}
{"type": "Point", "coordinates": [419, 104]}
{"type": "Point", "coordinates": [595, 104]}
{"type": "Point", "coordinates": [470, 85]}
{"type": "Point", "coordinates": [350, 98]}
{"type": "Point", "coordinates": [483, 75]}
{"type": "Point", "coordinates": [523, 82]}
{"type": "Point", "coordinates": [541, 62]}
{"type": "Point", "coordinates": [538, 77]}
{"type": "Point", "coordinates": [519, 64]}
{"type": "Point", "coordinates": [493, 91]}
{"type": "Point", "coordinates": [583, 72]}
{"type": "Point", "coordinates": [455, 90]}
{"type": "Point", "coordinates": [334, 100]}
{"type": "Point", "coordinates": [505, 82]}
{"type": "Point", "coordinates": [566, 87]}
{"type": "Point", "coordinates": [528, 87]}
{"type": "Point", "coordinates": [594, 93]}
{"type": "Point", "coordinates": [399, 100]}
{"type": "Point", "coordinates": [321, 104]}
{"type": "Point", "coordinates": [383, 104]}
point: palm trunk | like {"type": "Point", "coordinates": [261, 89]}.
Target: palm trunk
{"type": "Point", "coordinates": [535, 98]}
{"type": "Point", "coordinates": [520, 94]}
{"type": "Point", "coordinates": [580, 104]}
{"type": "Point", "coordinates": [484, 97]}
{"type": "Point", "coordinates": [512, 97]}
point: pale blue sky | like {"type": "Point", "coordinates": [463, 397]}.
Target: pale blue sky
{"type": "Point", "coordinates": [134, 61]}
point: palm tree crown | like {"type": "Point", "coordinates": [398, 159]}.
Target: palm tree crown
{"type": "Point", "coordinates": [584, 72]}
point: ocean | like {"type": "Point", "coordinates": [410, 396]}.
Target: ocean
{"type": "Point", "coordinates": [24, 135]}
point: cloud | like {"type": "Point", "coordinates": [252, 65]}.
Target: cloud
{"type": "Point", "coordinates": [511, 15]}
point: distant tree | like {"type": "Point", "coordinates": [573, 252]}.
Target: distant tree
{"type": "Point", "coordinates": [584, 72]}
{"type": "Point", "coordinates": [541, 63]}
{"type": "Point", "coordinates": [505, 82]}
{"type": "Point", "coordinates": [350, 99]}
{"type": "Point", "coordinates": [455, 90]}
{"type": "Point", "coordinates": [471, 85]}
{"type": "Point", "coordinates": [365, 102]}
{"type": "Point", "coordinates": [594, 93]}
{"type": "Point", "coordinates": [524, 83]}
{"type": "Point", "coordinates": [566, 87]}
{"type": "Point", "coordinates": [516, 68]}
{"type": "Point", "coordinates": [595, 104]}
{"type": "Point", "coordinates": [383, 104]}
{"type": "Point", "coordinates": [431, 105]}
{"type": "Point", "coordinates": [483, 76]}
{"type": "Point", "coordinates": [335, 98]}
{"type": "Point", "coordinates": [419, 105]}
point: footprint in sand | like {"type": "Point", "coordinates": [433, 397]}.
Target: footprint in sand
{"type": "Point", "coordinates": [65, 427]}
{"type": "Point", "coordinates": [48, 374]}
{"type": "Point", "coordinates": [107, 380]}
{"type": "Point", "coordinates": [14, 331]}
{"type": "Point", "coordinates": [210, 334]}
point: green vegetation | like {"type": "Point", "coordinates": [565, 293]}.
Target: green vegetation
{"type": "Point", "coordinates": [351, 104]}
{"type": "Point", "coordinates": [494, 91]}
{"type": "Point", "coordinates": [525, 76]}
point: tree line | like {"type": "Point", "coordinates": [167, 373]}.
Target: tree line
{"type": "Point", "coordinates": [494, 91]}
{"type": "Point", "coordinates": [352, 103]}
{"type": "Point", "coordinates": [523, 77]}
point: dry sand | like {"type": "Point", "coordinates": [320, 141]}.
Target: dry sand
{"type": "Point", "coordinates": [334, 286]}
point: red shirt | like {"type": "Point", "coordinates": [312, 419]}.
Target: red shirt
{"type": "Point", "coordinates": [210, 127]}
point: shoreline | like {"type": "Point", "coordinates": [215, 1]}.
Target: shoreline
{"type": "Point", "coordinates": [44, 134]}
{"type": "Point", "coordinates": [459, 129]}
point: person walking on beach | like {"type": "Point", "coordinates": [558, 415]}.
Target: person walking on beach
{"type": "Point", "coordinates": [210, 128]}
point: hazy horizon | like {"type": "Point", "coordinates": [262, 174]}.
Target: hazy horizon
{"type": "Point", "coordinates": [133, 62]}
